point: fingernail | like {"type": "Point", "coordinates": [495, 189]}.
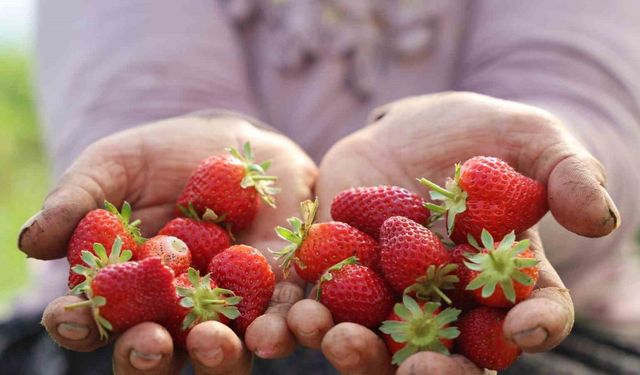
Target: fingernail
{"type": "Point", "coordinates": [26, 226]}
{"type": "Point", "coordinates": [312, 333]}
{"type": "Point", "coordinates": [531, 337]}
{"type": "Point", "coordinates": [613, 214]}
{"type": "Point", "coordinates": [210, 358]}
{"type": "Point", "coordinates": [73, 331]}
{"type": "Point", "coordinates": [144, 361]}
{"type": "Point", "coordinates": [264, 353]}
{"type": "Point", "coordinates": [350, 359]}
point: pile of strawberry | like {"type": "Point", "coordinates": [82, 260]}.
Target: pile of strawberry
{"type": "Point", "coordinates": [128, 279]}
{"type": "Point", "coordinates": [380, 265]}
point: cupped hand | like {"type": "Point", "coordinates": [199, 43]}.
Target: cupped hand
{"type": "Point", "coordinates": [148, 166]}
{"type": "Point", "coordinates": [423, 137]}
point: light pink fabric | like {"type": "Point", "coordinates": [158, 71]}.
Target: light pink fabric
{"type": "Point", "coordinates": [314, 69]}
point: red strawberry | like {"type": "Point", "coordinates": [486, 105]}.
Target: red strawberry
{"type": "Point", "coordinates": [101, 226]}
{"type": "Point", "coordinates": [486, 193]}
{"type": "Point", "coordinates": [460, 297]}
{"type": "Point", "coordinates": [366, 208]}
{"type": "Point", "coordinates": [482, 340]}
{"type": "Point", "coordinates": [414, 327]}
{"type": "Point", "coordinates": [315, 247]}
{"type": "Point", "coordinates": [495, 268]}
{"type": "Point", "coordinates": [246, 271]}
{"type": "Point", "coordinates": [231, 185]}
{"type": "Point", "coordinates": [413, 259]}
{"type": "Point", "coordinates": [355, 293]}
{"type": "Point", "coordinates": [204, 238]}
{"type": "Point", "coordinates": [173, 252]}
{"type": "Point", "coordinates": [122, 295]}
{"type": "Point", "coordinates": [198, 300]}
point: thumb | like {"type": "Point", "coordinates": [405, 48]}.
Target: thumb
{"type": "Point", "coordinates": [92, 178]}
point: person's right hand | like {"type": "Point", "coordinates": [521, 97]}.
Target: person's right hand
{"type": "Point", "coordinates": [423, 137]}
{"type": "Point", "coordinates": [148, 166]}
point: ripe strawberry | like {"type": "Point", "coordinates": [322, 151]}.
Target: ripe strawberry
{"type": "Point", "coordinates": [355, 293]}
{"type": "Point", "coordinates": [231, 185]}
{"type": "Point", "coordinates": [198, 299]}
{"type": "Point", "coordinates": [245, 270]}
{"type": "Point", "coordinates": [315, 247]}
{"type": "Point", "coordinates": [101, 226]}
{"type": "Point", "coordinates": [203, 236]}
{"type": "Point", "coordinates": [482, 340]}
{"type": "Point", "coordinates": [495, 268]}
{"type": "Point", "coordinates": [460, 297]}
{"type": "Point", "coordinates": [366, 208]}
{"type": "Point", "coordinates": [173, 252]}
{"type": "Point", "coordinates": [122, 295]}
{"type": "Point", "coordinates": [413, 259]}
{"type": "Point", "coordinates": [486, 193]}
{"type": "Point", "coordinates": [412, 327]}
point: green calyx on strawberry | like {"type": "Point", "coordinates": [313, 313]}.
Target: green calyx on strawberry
{"type": "Point", "coordinates": [431, 285]}
{"type": "Point", "coordinates": [124, 215]}
{"type": "Point", "coordinates": [206, 303]}
{"type": "Point", "coordinates": [256, 174]}
{"type": "Point", "coordinates": [499, 266]}
{"type": "Point", "coordinates": [94, 264]}
{"type": "Point", "coordinates": [453, 198]}
{"type": "Point", "coordinates": [296, 235]}
{"type": "Point", "coordinates": [209, 215]}
{"type": "Point", "coordinates": [420, 328]}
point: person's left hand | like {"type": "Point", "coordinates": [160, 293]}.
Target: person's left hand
{"type": "Point", "coordinates": [423, 137]}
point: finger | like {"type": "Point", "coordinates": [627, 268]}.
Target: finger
{"type": "Point", "coordinates": [575, 180]}
{"type": "Point", "coordinates": [85, 185]}
{"type": "Point", "coordinates": [144, 349]}
{"type": "Point", "coordinates": [546, 318]}
{"type": "Point", "coordinates": [309, 321]}
{"type": "Point", "coordinates": [72, 329]}
{"type": "Point", "coordinates": [215, 349]}
{"type": "Point", "coordinates": [469, 367]}
{"type": "Point", "coordinates": [269, 336]}
{"type": "Point", "coordinates": [354, 349]}
{"type": "Point", "coordinates": [436, 363]}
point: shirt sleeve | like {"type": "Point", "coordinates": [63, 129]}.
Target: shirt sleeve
{"type": "Point", "coordinates": [104, 66]}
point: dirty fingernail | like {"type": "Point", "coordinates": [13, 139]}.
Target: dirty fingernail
{"type": "Point", "coordinates": [73, 331]}
{"type": "Point", "coordinates": [210, 358]}
{"type": "Point", "coordinates": [531, 337]}
{"type": "Point", "coordinates": [144, 361]}
{"type": "Point", "coordinates": [349, 359]}
{"type": "Point", "coordinates": [26, 226]}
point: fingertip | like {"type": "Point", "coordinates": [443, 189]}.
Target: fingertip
{"type": "Point", "coordinates": [351, 347]}
{"type": "Point", "coordinates": [212, 344]}
{"type": "Point", "coordinates": [73, 329]}
{"type": "Point", "coordinates": [143, 347]}
{"type": "Point", "coordinates": [309, 321]}
{"type": "Point", "coordinates": [538, 324]}
{"type": "Point", "coordinates": [578, 199]}
{"type": "Point", "coordinates": [430, 363]}
{"type": "Point", "coordinates": [269, 337]}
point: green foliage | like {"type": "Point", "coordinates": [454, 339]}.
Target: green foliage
{"type": "Point", "coordinates": [23, 172]}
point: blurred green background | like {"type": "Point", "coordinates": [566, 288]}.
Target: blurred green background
{"type": "Point", "coordinates": [23, 168]}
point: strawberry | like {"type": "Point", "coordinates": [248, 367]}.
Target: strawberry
{"type": "Point", "coordinates": [101, 226]}
{"type": "Point", "coordinates": [413, 259]}
{"type": "Point", "coordinates": [495, 268]}
{"type": "Point", "coordinates": [366, 208]}
{"type": "Point", "coordinates": [412, 327]}
{"type": "Point", "coordinates": [482, 340]}
{"type": "Point", "coordinates": [198, 300]}
{"type": "Point", "coordinates": [355, 293]}
{"type": "Point", "coordinates": [173, 252]}
{"type": "Point", "coordinates": [245, 270]}
{"type": "Point", "coordinates": [460, 297]}
{"type": "Point", "coordinates": [231, 185]}
{"type": "Point", "coordinates": [123, 294]}
{"type": "Point", "coordinates": [486, 193]}
{"type": "Point", "coordinates": [203, 237]}
{"type": "Point", "coordinates": [315, 247]}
